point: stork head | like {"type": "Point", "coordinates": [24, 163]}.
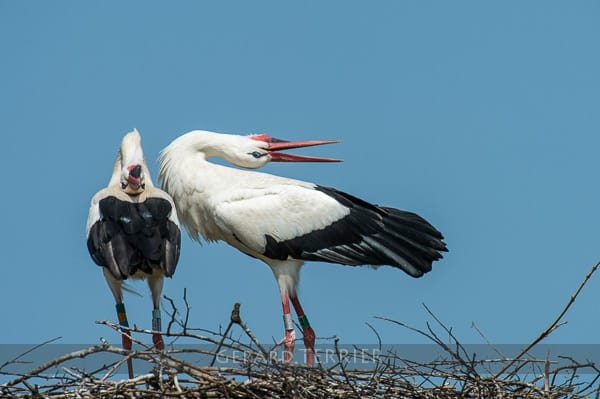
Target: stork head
{"type": "Point", "coordinates": [132, 177]}
{"type": "Point", "coordinates": [259, 149]}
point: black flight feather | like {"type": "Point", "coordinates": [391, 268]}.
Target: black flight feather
{"type": "Point", "coordinates": [368, 235]}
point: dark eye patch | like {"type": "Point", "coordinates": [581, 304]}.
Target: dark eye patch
{"type": "Point", "coordinates": [257, 154]}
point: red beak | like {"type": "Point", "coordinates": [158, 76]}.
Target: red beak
{"type": "Point", "coordinates": [278, 145]}
{"type": "Point", "coordinates": [135, 172]}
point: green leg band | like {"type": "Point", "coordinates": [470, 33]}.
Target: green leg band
{"type": "Point", "coordinates": [303, 322]}
{"type": "Point", "coordinates": [156, 324]}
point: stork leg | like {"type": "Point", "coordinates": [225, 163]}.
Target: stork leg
{"type": "Point", "coordinates": [289, 340]}
{"type": "Point", "coordinates": [115, 286]}
{"type": "Point", "coordinates": [307, 331]}
{"type": "Point", "coordinates": [155, 282]}
{"type": "Point", "coordinates": [286, 273]}
{"type": "Point", "coordinates": [125, 337]}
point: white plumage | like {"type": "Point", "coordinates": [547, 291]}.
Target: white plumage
{"type": "Point", "coordinates": [284, 221]}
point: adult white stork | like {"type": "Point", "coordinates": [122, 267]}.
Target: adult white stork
{"type": "Point", "coordinates": [133, 231]}
{"type": "Point", "coordinates": [284, 222]}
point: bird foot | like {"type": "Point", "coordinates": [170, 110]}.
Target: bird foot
{"type": "Point", "coordinates": [289, 342]}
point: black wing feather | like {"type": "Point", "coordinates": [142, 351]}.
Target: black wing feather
{"type": "Point", "coordinates": [368, 235]}
{"type": "Point", "coordinates": [135, 236]}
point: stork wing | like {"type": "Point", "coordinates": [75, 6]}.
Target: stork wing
{"type": "Point", "coordinates": [280, 211]}
{"type": "Point", "coordinates": [129, 236]}
{"type": "Point", "coordinates": [324, 224]}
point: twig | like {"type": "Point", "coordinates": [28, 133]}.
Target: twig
{"type": "Point", "coordinates": [234, 318]}
{"type": "Point", "coordinates": [187, 310]}
{"type": "Point", "coordinates": [376, 334]}
{"type": "Point", "coordinates": [553, 325]}
{"type": "Point", "coordinates": [341, 363]}
{"type": "Point", "coordinates": [61, 359]}
{"type": "Point", "coordinates": [16, 359]}
{"type": "Point", "coordinates": [482, 335]}
{"type": "Point", "coordinates": [172, 314]}
{"type": "Point", "coordinates": [455, 354]}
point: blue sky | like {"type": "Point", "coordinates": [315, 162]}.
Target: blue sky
{"type": "Point", "coordinates": [482, 117]}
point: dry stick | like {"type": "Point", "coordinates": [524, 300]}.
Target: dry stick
{"type": "Point", "coordinates": [110, 369]}
{"type": "Point", "coordinates": [116, 327]}
{"type": "Point", "coordinates": [73, 355]}
{"type": "Point", "coordinates": [433, 337]}
{"type": "Point", "coordinates": [376, 334]}
{"type": "Point", "coordinates": [547, 374]}
{"type": "Point", "coordinates": [341, 363]}
{"type": "Point", "coordinates": [187, 310]}
{"type": "Point", "coordinates": [234, 318]}
{"type": "Point", "coordinates": [374, 377]}
{"type": "Point", "coordinates": [552, 326]}
{"type": "Point", "coordinates": [237, 345]}
{"type": "Point", "coordinates": [182, 323]}
{"type": "Point", "coordinates": [456, 354]}
{"type": "Point", "coordinates": [172, 315]}
{"type": "Point", "coordinates": [487, 341]}
{"type": "Point", "coordinates": [15, 360]}
{"type": "Point", "coordinates": [591, 383]}
{"type": "Point", "coordinates": [33, 390]}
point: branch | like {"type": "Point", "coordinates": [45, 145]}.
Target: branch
{"type": "Point", "coordinates": [15, 360]}
{"type": "Point", "coordinates": [61, 359]}
{"type": "Point", "coordinates": [553, 325]}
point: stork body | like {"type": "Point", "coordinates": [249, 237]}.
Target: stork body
{"type": "Point", "coordinates": [133, 231]}
{"type": "Point", "coordinates": [284, 222]}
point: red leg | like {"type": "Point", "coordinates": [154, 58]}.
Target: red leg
{"type": "Point", "coordinates": [125, 338]}
{"type": "Point", "coordinates": [289, 341]}
{"type": "Point", "coordinates": [156, 326]}
{"type": "Point", "coordinates": [307, 331]}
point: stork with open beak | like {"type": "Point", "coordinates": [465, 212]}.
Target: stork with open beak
{"type": "Point", "coordinates": [133, 231]}
{"type": "Point", "coordinates": [284, 222]}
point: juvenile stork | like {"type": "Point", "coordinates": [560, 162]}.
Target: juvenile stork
{"type": "Point", "coordinates": [284, 222]}
{"type": "Point", "coordinates": [133, 231]}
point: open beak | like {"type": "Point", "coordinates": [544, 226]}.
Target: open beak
{"type": "Point", "coordinates": [278, 145]}
{"type": "Point", "coordinates": [135, 171]}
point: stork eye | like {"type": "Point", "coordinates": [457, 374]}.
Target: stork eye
{"type": "Point", "coordinates": [257, 154]}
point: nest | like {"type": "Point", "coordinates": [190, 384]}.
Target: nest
{"type": "Point", "coordinates": [217, 365]}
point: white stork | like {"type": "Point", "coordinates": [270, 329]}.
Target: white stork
{"type": "Point", "coordinates": [284, 222]}
{"type": "Point", "coordinates": [133, 231]}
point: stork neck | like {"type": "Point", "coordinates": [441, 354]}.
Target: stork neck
{"type": "Point", "coordinates": [204, 144]}
{"type": "Point", "coordinates": [213, 144]}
